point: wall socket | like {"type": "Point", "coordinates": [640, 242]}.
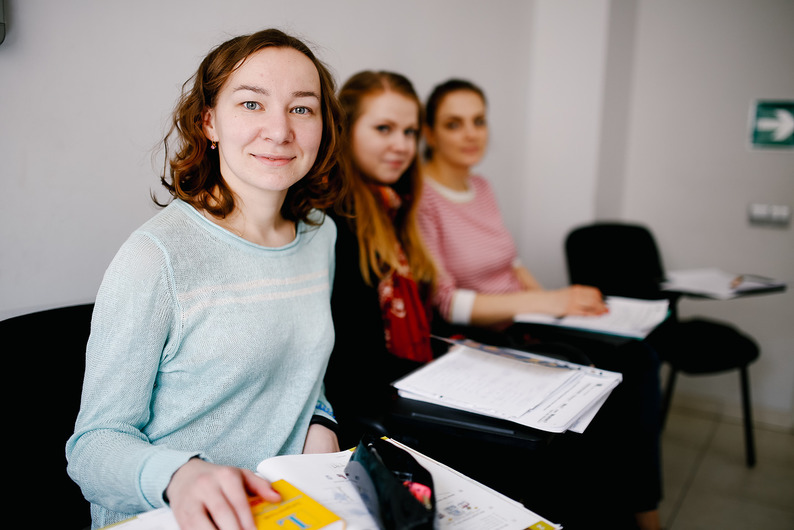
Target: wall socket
{"type": "Point", "coordinates": [769, 214]}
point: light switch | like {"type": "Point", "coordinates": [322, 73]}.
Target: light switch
{"type": "Point", "coordinates": [769, 214]}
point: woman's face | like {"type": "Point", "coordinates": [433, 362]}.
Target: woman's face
{"type": "Point", "coordinates": [385, 136]}
{"type": "Point", "coordinates": [460, 134]}
{"type": "Point", "coordinates": [267, 122]}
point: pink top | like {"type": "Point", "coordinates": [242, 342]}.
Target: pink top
{"type": "Point", "coordinates": [473, 250]}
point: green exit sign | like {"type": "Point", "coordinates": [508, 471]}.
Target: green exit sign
{"type": "Point", "coordinates": [772, 124]}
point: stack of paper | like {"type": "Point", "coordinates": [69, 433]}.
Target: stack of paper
{"type": "Point", "coordinates": [716, 283]}
{"type": "Point", "coordinates": [526, 388]}
{"type": "Point", "coordinates": [627, 317]}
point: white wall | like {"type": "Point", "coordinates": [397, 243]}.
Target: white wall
{"type": "Point", "coordinates": [690, 175]}
{"type": "Point", "coordinates": [567, 58]}
{"type": "Point", "coordinates": [638, 111]}
{"type": "Point", "coordinates": [631, 109]}
{"type": "Point", "coordinates": [86, 87]}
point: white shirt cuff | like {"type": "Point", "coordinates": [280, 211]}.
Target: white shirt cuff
{"type": "Point", "coordinates": [462, 305]}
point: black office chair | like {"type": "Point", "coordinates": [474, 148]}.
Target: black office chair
{"type": "Point", "coordinates": [45, 356]}
{"type": "Point", "coordinates": [622, 259]}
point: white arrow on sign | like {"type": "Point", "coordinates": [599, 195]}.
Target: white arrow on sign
{"type": "Point", "coordinates": [782, 125]}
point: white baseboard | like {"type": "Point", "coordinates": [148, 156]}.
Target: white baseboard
{"type": "Point", "coordinates": [763, 418]}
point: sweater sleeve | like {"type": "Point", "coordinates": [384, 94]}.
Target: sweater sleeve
{"type": "Point", "coordinates": [133, 328]}
{"type": "Point", "coordinates": [324, 413]}
{"type": "Point", "coordinates": [323, 410]}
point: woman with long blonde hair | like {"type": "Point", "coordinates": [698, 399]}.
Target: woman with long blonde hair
{"type": "Point", "coordinates": [384, 276]}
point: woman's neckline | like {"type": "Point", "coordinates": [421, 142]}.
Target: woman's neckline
{"type": "Point", "coordinates": [459, 196]}
{"type": "Point", "coordinates": [211, 221]}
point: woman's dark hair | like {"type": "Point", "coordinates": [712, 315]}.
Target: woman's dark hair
{"type": "Point", "coordinates": [192, 173]}
{"type": "Point", "coordinates": [438, 94]}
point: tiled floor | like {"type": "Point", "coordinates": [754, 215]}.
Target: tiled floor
{"type": "Point", "coordinates": [707, 484]}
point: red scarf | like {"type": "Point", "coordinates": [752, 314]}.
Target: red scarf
{"type": "Point", "coordinates": [405, 323]}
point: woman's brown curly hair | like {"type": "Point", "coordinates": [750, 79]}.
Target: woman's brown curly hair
{"type": "Point", "coordinates": [192, 173]}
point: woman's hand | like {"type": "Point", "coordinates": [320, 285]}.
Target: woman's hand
{"type": "Point", "coordinates": [500, 309]}
{"type": "Point", "coordinates": [583, 300]}
{"type": "Point", "coordinates": [206, 496]}
{"type": "Point", "coordinates": [320, 439]}
{"type": "Point", "coordinates": [579, 300]}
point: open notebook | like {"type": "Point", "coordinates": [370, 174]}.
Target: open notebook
{"type": "Point", "coordinates": [627, 317]}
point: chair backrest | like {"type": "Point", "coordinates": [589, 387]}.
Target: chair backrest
{"type": "Point", "coordinates": [621, 259]}
{"type": "Point", "coordinates": [45, 363]}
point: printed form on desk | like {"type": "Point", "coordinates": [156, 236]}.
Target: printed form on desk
{"type": "Point", "coordinates": [528, 389]}
{"type": "Point", "coordinates": [627, 317]}
{"type": "Point", "coordinates": [461, 503]}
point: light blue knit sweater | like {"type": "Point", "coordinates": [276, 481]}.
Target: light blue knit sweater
{"type": "Point", "coordinates": [201, 343]}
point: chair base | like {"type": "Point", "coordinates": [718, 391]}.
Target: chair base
{"type": "Point", "coordinates": [744, 380]}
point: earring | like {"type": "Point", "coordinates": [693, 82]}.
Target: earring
{"type": "Point", "coordinates": [213, 145]}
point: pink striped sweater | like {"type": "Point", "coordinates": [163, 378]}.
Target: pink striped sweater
{"type": "Point", "coordinates": [473, 249]}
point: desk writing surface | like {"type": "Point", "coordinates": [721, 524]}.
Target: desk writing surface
{"type": "Point", "coordinates": [626, 317]}
{"type": "Point", "coordinates": [407, 416]}
{"type": "Point", "coordinates": [718, 284]}
{"type": "Point", "coordinates": [531, 390]}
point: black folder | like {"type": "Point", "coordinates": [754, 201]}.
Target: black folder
{"type": "Point", "coordinates": [410, 416]}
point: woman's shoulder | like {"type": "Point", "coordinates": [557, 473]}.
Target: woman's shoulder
{"type": "Point", "coordinates": [345, 230]}
{"type": "Point", "coordinates": [436, 196]}
{"type": "Point", "coordinates": [320, 218]}
{"type": "Point", "coordinates": [146, 253]}
{"type": "Point", "coordinates": [480, 184]}
{"type": "Point", "coordinates": [483, 191]}
{"type": "Point", "coordinates": [173, 214]}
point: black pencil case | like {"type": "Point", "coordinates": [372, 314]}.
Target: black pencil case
{"type": "Point", "coordinates": [396, 489]}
